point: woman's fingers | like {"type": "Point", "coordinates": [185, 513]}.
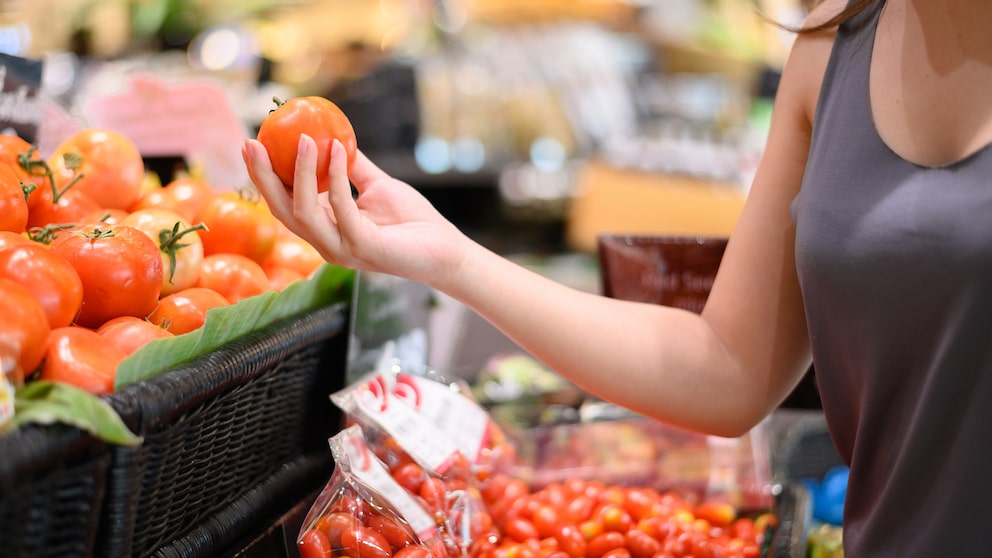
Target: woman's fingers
{"type": "Point", "coordinates": [339, 194]}
{"type": "Point", "coordinates": [364, 171]}
{"type": "Point", "coordinates": [262, 176]}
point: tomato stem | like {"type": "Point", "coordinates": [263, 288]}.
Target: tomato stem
{"type": "Point", "coordinates": [47, 234]}
{"type": "Point", "coordinates": [168, 243]}
{"type": "Point", "coordinates": [27, 188]}
{"type": "Point", "coordinates": [279, 102]}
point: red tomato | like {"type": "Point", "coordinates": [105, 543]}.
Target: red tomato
{"type": "Point", "coordinates": [179, 245]}
{"type": "Point", "coordinates": [397, 534]}
{"type": "Point", "coordinates": [546, 519]}
{"type": "Point", "coordinates": [120, 268]}
{"type": "Point", "coordinates": [434, 493]}
{"type": "Point", "coordinates": [238, 223]}
{"type": "Point", "coordinates": [295, 253]}
{"type": "Point", "coordinates": [570, 540]}
{"type": "Point", "coordinates": [13, 201]}
{"type": "Point", "coordinates": [129, 333]}
{"type": "Point", "coordinates": [316, 117]}
{"type": "Point", "coordinates": [519, 529]}
{"type": "Point", "coordinates": [81, 357]}
{"type": "Point", "coordinates": [412, 551]}
{"type": "Point", "coordinates": [282, 277]}
{"type": "Point", "coordinates": [615, 518]}
{"type": "Point", "coordinates": [23, 324]}
{"type": "Point", "coordinates": [8, 239]}
{"type": "Point", "coordinates": [109, 167]}
{"type": "Point", "coordinates": [233, 275]}
{"type": "Point", "coordinates": [605, 542]}
{"type": "Point", "coordinates": [186, 310]}
{"type": "Point", "coordinates": [641, 544]}
{"type": "Point", "coordinates": [184, 195]}
{"type": "Point", "coordinates": [410, 476]}
{"type": "Point", "coordinates": [720, 514]}
{"type": "Point", "coordinates": [363, 542]}
{"type": "Point", "coordinates": [314, 544]}
{"type": "Point", "coordinates": [70, 207]}
{"type": "Point", "coordinates": [617, 553]}
{"type": "Point", "coordinates": [48, 276]}
{"type": "Point", "coordinates": [29, 167]}
{"type": "Point", "coordinates": [335, 524]}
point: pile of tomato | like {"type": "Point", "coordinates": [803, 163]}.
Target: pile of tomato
{"type": "Point", "coordinates": [97, 258]}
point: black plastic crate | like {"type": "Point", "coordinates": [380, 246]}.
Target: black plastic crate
{"type": "Point", "coordinates": [216, 427]}
{"type": "Point", "coordinates": [52, 485]}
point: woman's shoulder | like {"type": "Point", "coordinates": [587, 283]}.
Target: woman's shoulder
{"type": "Point", "coordinates": [807, 63]}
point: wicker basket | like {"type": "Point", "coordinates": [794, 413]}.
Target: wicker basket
{"type": "Point", "coordinates": [52, 482]}
{"type": "Point", "coordinates": [218, 426]}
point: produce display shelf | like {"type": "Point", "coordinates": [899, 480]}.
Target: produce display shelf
{"type": "Point", "coordinates": [215, 427]}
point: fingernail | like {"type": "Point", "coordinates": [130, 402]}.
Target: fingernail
{"type": "Point", "coordinates": [304, 146]}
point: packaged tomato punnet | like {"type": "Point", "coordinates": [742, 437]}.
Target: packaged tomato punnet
{"type": "Point", "coordinates": [426, 459]}
{"type": "Point", "coordinates": [362, 512]}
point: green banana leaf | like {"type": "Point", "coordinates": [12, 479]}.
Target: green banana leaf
{"type": "Point", "coordinates": [328, 285]}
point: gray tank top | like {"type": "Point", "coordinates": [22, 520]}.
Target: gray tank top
{"type": "Point", "coordinates": [895, 265]}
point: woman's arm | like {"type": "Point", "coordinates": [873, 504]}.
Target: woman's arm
{"type": "Point", "coordinates": [719, 371]}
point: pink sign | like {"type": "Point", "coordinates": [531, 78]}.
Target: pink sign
{"type": "Point", "coordinates": [193, 119]}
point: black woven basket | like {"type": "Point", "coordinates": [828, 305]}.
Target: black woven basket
{"type": "Point", "coordinates": [217, 426]}
{"type": "Point", "coordinates": [52, 483]}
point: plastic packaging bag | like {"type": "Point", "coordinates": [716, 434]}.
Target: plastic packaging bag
{"type": "Point", "coordinates": [362, 512]}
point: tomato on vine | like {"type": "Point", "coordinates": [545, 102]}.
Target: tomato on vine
{"type": "Point", "coordinates": [316, 117]}
{"type": "Point", "coordinates": [179, 243]}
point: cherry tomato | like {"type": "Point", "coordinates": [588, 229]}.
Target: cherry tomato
{"type": "Point", "coordinates": [397, 534]}
{"type": "Point", "coordinates": [412, 551]}
{"type": "Point", "coordinates": [641, 544]}
{"type": "Point", "coordinates": [334, 524]}
{"type": "Point", "coordinates": [120, 268]}
{"type": "Point", "coordinates": [363, 542]}
{"type": "Point", "coordinates": [615, 518]}
{"type": "Point", "coordinates": [178, 242]}
{"type": "Point", "coordinates": [520, 529]}
{"type": "Point", "coordinates": [81, 357]}
{"type": "Point", "coordinates": [570, 540]}
{"type": "Point", "coordinates": [233, 275]}
{"type": "Point", "coordinates": [579, 508]}
{"type": "Point", "coordinates": [720, 514]}
{"type": "Point", "coordinates": [314, 544]}
{"type": "Point", "coordinates": [23, 324]}
{"type": "Point", "coordinates": [105, 164]}
{"type": "Point", "coordinates": [48, 276]}
{"type": "Point", "coordinates": [546, 519]}
{"type": "Point", "coordinates": [238, 223]}
{"type": "Point", "coordinates": [129, 333]}
{"type": "Point", "coordinates": [434, 493]}
{"type": "Point", "coordinates": [185, 310]}
{"type": "Point", "coordinates": [605, 542]}
{"type": "Point", "coordinates": [316, 117]}
{"type": "Point", "coordinates": [13, 201]}
{"type": "Point", "coordinates": [617, 553]}
{"type": "Point", "coordinates": [410, 476]}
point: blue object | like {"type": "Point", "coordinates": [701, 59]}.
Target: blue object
{"type": "Point", "coordinates": [828, 495]}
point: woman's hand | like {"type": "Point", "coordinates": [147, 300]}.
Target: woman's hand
{"type": "Point", "coordinates": [389, 227]}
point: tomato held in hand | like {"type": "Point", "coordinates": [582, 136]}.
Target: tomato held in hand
{"type": "Point", "coordinates": [81, 357]}
{"type": "Point", "coordinates": [120, 268]}
{"type": "Point", "coordinates": [316, 117]}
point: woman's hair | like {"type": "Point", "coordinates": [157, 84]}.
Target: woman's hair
{"type": "Point", "coordinates": [851, 10]}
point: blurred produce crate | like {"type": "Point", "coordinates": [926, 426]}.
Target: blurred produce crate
{"type": "Point", "coordinates": [52, 485]}
{"type": "Point", "coordinates": [217, 427]}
